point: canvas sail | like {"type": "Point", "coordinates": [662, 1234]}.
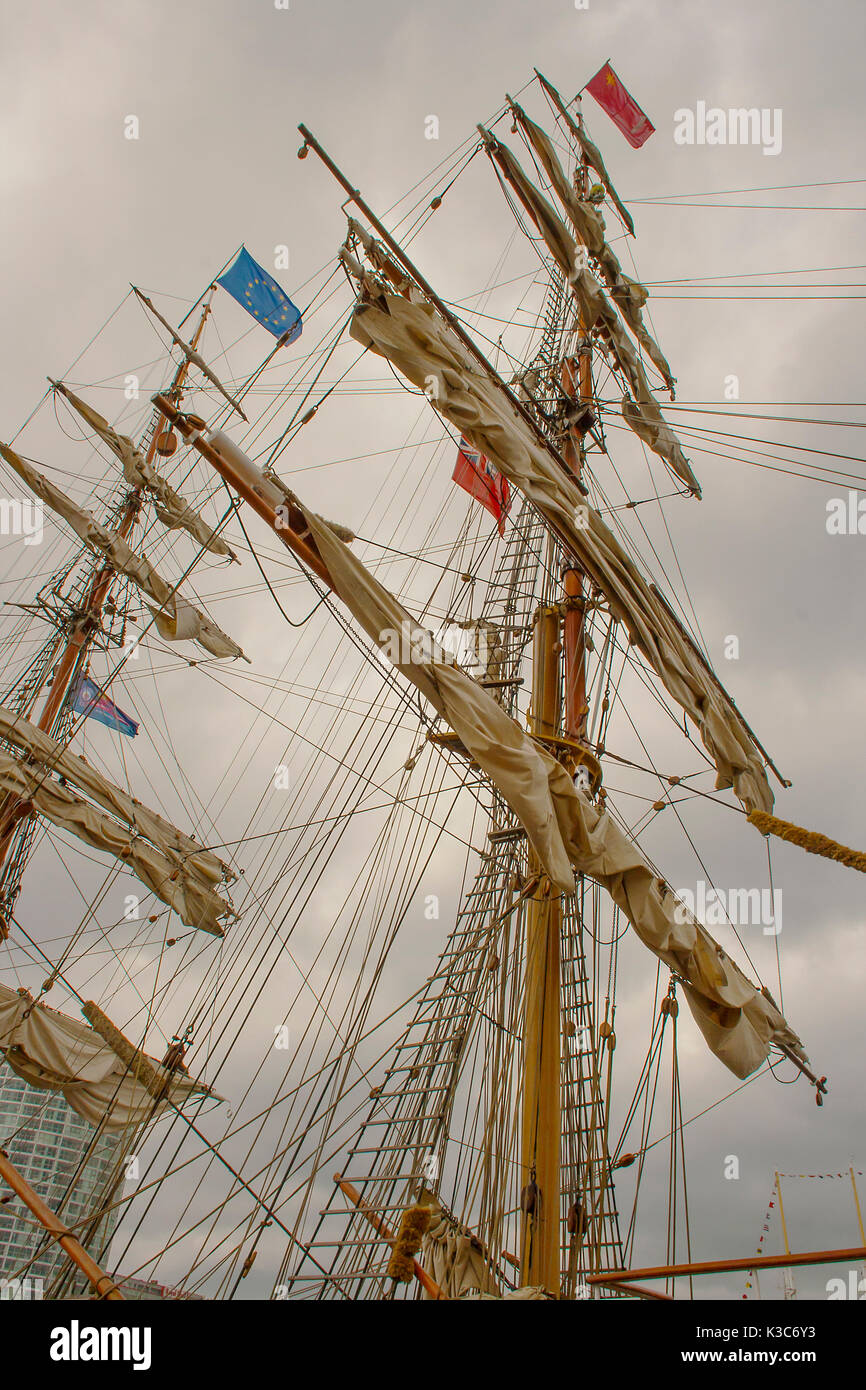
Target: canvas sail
{"type": "Point", "coordinates": [172, 510]}
{"type": "Point", "coordinates": [566, 831]}
{"type": "Point", "coordinates": [53, 1052]}
{"type": "Point", "coordinates": [592, 152]}
{"type": "Point", "coordinates": [595, 308]}
{"type": "Point", "coordinates": [628, 294]}
{"type": "Point", "coordinates": [163, 873]}
{"type": "Point", "coordinates": [420, 344]}
{"type": "Point", "coordinates": [126, 561]}
{"type": "Point", "coordinates": [54, 756]}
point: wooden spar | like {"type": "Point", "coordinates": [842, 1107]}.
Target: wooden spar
{"type": "Point", "coordinates": [807, 1257]}
{"type": "Point", "coordinates": [189, 350]}
{"type": "Point", "coordinates": [817, 1081]}
{"type": "Point", "coordinates": [637, 1292]}
{"type": "Point", "coordinates": [453, 323]}
{"type": "Point", "coordinates": [293, 532]}
{"type": "Point", "coordinates": [175, 390]}
{"type": "Point", "coordinates": [542, 1093]}
{"type": "Point", "coordinates": [102, 1282]}
{"type": "Point", "coordinates": [574, 635]}
{"type": "Point", "coordinates": [428, 1285]}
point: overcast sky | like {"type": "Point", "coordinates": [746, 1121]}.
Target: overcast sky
{"type": "Point", "coordinates": [218, 88]}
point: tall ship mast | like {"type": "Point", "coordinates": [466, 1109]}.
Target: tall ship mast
{"type": "Point", "coordinates": [350, 1007]}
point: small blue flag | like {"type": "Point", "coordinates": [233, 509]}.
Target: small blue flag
{"type": "Point", "coordinates": [261, 296]}
{"type": "Point", "coordinates": [89, 700]}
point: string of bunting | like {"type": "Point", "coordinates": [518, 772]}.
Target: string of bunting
{"type": "Point", "coordinates": [857, 1174]}
{"type": "Point", "coordinates": [764, 1231]}
{"type": "Point", "coordinates": [765, 1227]}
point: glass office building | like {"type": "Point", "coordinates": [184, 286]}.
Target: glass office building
{"type": "Point", "coordinates": [64, 1161]}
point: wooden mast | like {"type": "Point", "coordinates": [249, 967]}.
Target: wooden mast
{"type": "Point", "coordinates": [101, 584]}
{"type": "Point", "coordinates": [13, 810]}
{"type": "Point", "coordinates": [552, 715]}
{"type": "Point", "coordinates": [542, 1101]}
{"type": "Point", "coordinates": [575, 615]}
{"type": "Point", "coordinates": [542, 1098]}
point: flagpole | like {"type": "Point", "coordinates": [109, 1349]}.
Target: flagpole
{"type": "Point", "coordinates": [790, 1291]}
{"type": "Point", "coordinates": [857, 1205]}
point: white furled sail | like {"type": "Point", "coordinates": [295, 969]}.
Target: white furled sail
{"type": "Point", "coordinates": [38, 745]}
{"type": "Point", "coordinates": [566, 831]}
{"type": "Point", "coordinates": [628, 294]}
{"type": "Point", "coordinates": [53, 1052]}
{"type": "Point", "coordinates": [163, 873]}
{"type": "Point", "coordinates": [417, 341]}
{"type": "Point", "coordinates": [595, 308]}
{"type": "Point", "coordinates": [126, 561]}
{"type": "Point", "coordinates": [455, 1260]}
{"type": "Point", "coordinates": [592, 152]}
{"type": "Point", "coordinates": [172, 510]}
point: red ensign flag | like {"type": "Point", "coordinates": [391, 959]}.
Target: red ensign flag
{"type": "Point", "coordinates": [482, 481]}
{"type": "Point", "coordinates": [623, 110]}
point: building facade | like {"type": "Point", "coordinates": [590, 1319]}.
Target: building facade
{"type": "Point", "coordinates": [149, 1291]}
{"type": "Point", "coordinates": [64, 1160]}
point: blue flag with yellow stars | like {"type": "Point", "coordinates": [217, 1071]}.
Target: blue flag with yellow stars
{"type": "Point", "coordinates": [261, 296]}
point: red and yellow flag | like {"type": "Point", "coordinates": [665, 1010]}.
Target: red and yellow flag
{"type": "Point", "coordinates": [622, 108]}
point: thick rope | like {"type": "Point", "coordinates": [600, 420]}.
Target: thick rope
{"type": "Point", "coordinates": [808, 840]}
{"type": "Point", "coordinates": [413, 1226]}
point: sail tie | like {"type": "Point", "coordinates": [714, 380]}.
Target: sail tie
{"type": "Point", "coordinates": [809, 840]}
{"type": "Point", "coordinates": [413, 1227]}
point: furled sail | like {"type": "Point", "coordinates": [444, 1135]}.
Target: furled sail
{"type": "Point", "coordinates": [417, 341]}
{"type": "Point", "coordinates": [566, 831]}
{"type": "Point", "coordinates": [595, 308]}
{"type": "Point", "coordinates": [628, 294]}
{"type": "Point", "coordinates": [191, 353]}
{"type": "Point", "coordinates": [166, 874]}
{"type": "Point", "coordinates": [378, 256]}
{"type": "Point", "coordinates": [592, 152]}
{"type": "Point", "coordinates": [37, 744]}
{"type": "Point", "coordinates": [53, 1052]}
{"type": "Point", "coordinates": [127, 562]}
{"type": "Point", "coordinates": [455, 1260]}
{"type": "Point", "coordinates": [172, 510]}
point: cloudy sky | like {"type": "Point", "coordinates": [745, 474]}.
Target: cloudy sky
{"type": "Point", "coordinates": [218, 89]}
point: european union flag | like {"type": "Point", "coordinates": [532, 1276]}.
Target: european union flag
{"type": "Point", "coordinates": [261, 296]}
